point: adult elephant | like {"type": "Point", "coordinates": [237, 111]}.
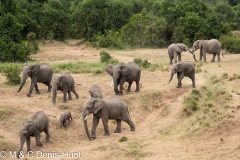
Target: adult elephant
{"type": "Point", "coordinates": [122, 73]}
{"type": "Point", "coordinates": [64, 83]}
{"type": "Point", "coordinates": [175, 50]}
{"type": "Point", "coordinates": [41, 73]}
{"type": "Point", "coordinates": [111, 108]}
{"type": "Point", "coordinates": [183, 69]}
{"type": "Point", "coordinates": [212, 46]}
{"type": "Point", "coordinates": [32, 128]}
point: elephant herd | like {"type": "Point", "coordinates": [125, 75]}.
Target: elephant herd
{"type": "Point", "coordinates": [108, 108]}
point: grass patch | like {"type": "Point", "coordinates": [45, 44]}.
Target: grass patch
{"type": "Point", "coordinates": [135, 149]}
{"type": "Point", "coordinates": [150, 101]}
{"type": "Point", "coordinates": [4, 113]}
{"type": "Point", "coordinates": [122, 139]}
{"type": "Point", "coordinates": [233, 77]}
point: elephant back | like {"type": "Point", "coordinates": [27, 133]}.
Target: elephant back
{"type": "Point", "coordinates": [40, 119]}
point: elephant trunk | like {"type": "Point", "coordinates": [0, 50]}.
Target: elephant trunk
{"type": "Point", "coordinates": [84, 117]}
{"type": "Point", "coordinates": [172, 74]}
{"type": "Point", "coordinates": [25, 77]}
{"type": "Point", "coordinates": [194, 56]}
{"type": "Point", "coordinates": [54, 94]}
{"type": "Point", "coordinates": [115, 84]}
{"type": "Point", "coordinates": [22, 140]}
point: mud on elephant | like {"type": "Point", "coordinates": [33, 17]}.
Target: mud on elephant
{"type": "Point", "coordinates": [41, 73]}
{"type": "Point", "coordinates": [64, 83]}
{"type": "Point", "coordinates": [111, 108]}
{"type": "Point", "coordinates": [122, 73]}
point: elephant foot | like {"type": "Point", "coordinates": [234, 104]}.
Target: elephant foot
{"type": "Point", "coordinates": [106, 134]}
{"type": "Point", "coordinates": [93, 137]}
{"type": "Point", "coordinates": [39, 144]}
{"type": "Point", "coordinates": [65, 101]}
{"type": "Point", "coordinates": [117, 131]}
{"type": "Point", "coordinates": [37, 92]}
{"type": "Point", "coordinates": [77, 96]}
{"type": "Point", "coordinates": [29, 95]}
{"type": "Point", "coordinates": [179, 86]}
{"type": "Point", "coordinates": [193, 86]}
{"type": "Point", "coordinates": [69, 98]}
{"type": "Point", "coordinates": [137, 90]}
{"type": "Point", "coordinates": [132, 128]}
{"type": "Point", "coordinates": [128, 90]}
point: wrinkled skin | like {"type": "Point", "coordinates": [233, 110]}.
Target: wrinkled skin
{"type": "Point", "coordinates": [41, 73]}
{"type": "Point", "coordinates": [212, 46]}
{"type": "Point", "coordinates": [183, 69]}
{"type": "Point", "coordinates": [111, 108]}
{"type": "Point", "coordinates": [122, 73]}
{"type": "Point", "coordinates": [32, 128]}
{"type": "Point", "coordinates": [95, 91]}
{"type": "Point", "coordinates": [175, 50]}
{"type": "Point", "coordinates": [64, 118]}
{"type": "Point", "coordinates": [64, 83]}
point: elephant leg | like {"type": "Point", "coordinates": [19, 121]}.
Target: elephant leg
{"type": "Point", "coordinates": [192, 77]}
{"type": "Point", "coordinates": [46, 131]}
{"type": "Point", "coordinates": [218, 56]}
{"type": "Point", "coordinates": [37, 136]}
{"type": "Point", "coordinates": [36, 88]}
{"type": "Point", "coordinates": [179, 57]}
{"type": "Point", "coordinates": [69, 95]}
{"type": "Point", "coordinates": [118, 129]}
{"type": "Point", "coordinates": [180, 77]}
{"type": "Point", "coordinates": [129, 86]}
{"type": "Point", "coordinates": [105, 125]}
{"type": "Point", "coordinates": [171, 59]}
{"type": "Point", "coordinates": [74, 92]}
{"type": "Point", "coordinates": [137, 85]}
{"type": "Point", "coordinates": [175, 57]}
{"type": "Point", "coordinates": [49, 87]}
{"type": "Point", "coordinates": [28, 143]}
{"type": "Point", "coordinates": [204, 57]}
{"type": "Point", "coordinates": [213, 58]}
{"type": "Point", "coordinates": [65, 96]}
{"type": "Point", "coordinates": [94, 126]}
{"type": "Point", "coordinates": [33, 83]}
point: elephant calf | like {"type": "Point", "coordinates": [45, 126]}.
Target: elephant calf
{"type": "Point", "coordinates": [183, 69]}
{"type": "Point", "coordinates": [66, 116]}
{"type": "Point", "coordinates": [95, 91]}
{"type": "Point", "coordinates": [32, 128]}
{"type": "Point", "coordinates": [111, 108]}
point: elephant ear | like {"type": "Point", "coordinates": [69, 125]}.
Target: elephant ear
{"type": "Point", "coordinates": [125, 70]}
{"type": "Point", "coordinates": [31, 128]}
{"type": "Point", "coordinates": [97, 105]}
{"type": "Point", "coordinates": [180, 67]}
{"type": "Point", "coordinates": [62, 80]}
{"type": "Point", "coordinates": [178, 48]}
{"type": "Point", "coordinates": [34, 69]}
{"type": "Point", "coordinates": [109, 69]}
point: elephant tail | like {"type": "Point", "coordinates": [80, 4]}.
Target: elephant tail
{"type": "Point", "coordinates": [52, 116]}
{"type": "Point", "coordinates": [77, 84]}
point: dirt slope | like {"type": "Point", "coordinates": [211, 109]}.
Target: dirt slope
{"type": "Point", "coordinates": [154, 117]}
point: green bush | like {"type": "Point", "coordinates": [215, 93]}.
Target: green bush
{"type": "Point", "coordinates": [105, 57]}
{"type": "Point", "coordinates": [231, 43]}
{"type": "Point", "coordinates": [142, 63]}
{"type": "Point", "coordinates": [12, 73]}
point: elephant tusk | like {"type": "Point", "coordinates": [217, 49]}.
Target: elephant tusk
{"type": "Point", "coordinates": [193, 54]}
{"type": "Point", "coordinates": [85, 118]}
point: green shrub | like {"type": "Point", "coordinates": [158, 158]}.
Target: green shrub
{"type": "Point", "coordinates": [122, 139]}
{"type": "Point", "coordinates": [105, 57]}
{"type": "Point", "coordinates": [231, 43]}
{"type": "Point", "coordinates": [12, 73]}
{"type": "Point", "coordinates": [142, 63]}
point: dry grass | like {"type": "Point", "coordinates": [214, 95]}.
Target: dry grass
{"type": "Point", "coordinates": [162, 130]}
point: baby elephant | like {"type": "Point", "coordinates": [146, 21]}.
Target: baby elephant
{"type": "Point", "coordinates": [183, 69]}
{"type": "Point", "coordinates": [95, 91]}
{"type": "Point", "coordinates": [66, 116]}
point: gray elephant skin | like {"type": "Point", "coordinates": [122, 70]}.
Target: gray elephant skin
{"type": "Point", "coordinates": [183, 69]}
{"type": "Point", "coordinates": [41, 73]}
{"type": "Point", "coordinates": [175, 50]}
{"type": "Point", "coordinates": [111, 108]}
{"type": "Point", "coordinates": [64, 83]}
{"type": "Point", "coordinates": [212, 46]}
{"type": "Point", "coordinates": [95, 91]}
{"type": "Point", "coordinates": [32, 128]}
{"type": "Point", "coordinates": [122, 73]}
{"type": "Point", "coordinates": [64, 118]}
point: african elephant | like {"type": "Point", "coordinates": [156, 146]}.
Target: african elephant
{"type": "Point", "coordinates": [95, 91]}
{"type": "Point", "coordinates": [36, 124]}
{"type": "Point", "coordinates": [183, 69]}
{"type": "Point", "coordinates": [66, 116]}
{"type": "Point", "coordinates": [64, 83]}
{"type": "Point", "coordinates": [38, 73]}
{"type": "Point", "coordinates": [175, 50]}
{"type": "Point", "coordinates": [111, 108]}
{"type": "Point", "coordinates": [212, 46]}
{"type": "Point", "coordinates": [122, 73]}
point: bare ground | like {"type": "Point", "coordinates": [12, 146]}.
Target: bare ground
{"type": "Point", "coordinates": [151, 139]}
